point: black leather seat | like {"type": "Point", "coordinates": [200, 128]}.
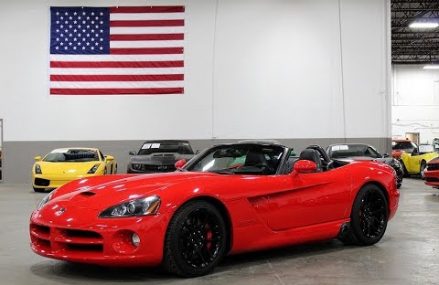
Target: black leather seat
{"type": "Point", "coordinates": [255, 159]}
{"type": "Point", "coordinates": [312, 155]}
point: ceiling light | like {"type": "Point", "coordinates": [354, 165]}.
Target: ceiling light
{"type": "Point", "coordinates": [431, 66]}
{"type": "Point", "coordinates": [424, 25]}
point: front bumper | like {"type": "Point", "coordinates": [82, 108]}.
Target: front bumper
{"type": "Point", "coordinates": [42, 181]}
{"type": "Point", "coordinates": [78, 237]}
{"type": "Point", "coordinates": [432, 177]}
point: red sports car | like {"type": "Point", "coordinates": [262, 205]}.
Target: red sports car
{"type": "Point", "coordinates": [431, 173]}
{"type": "Point", "coordinates": [230, 198]}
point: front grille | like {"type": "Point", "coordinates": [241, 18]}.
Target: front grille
{"type": "Point", "coordinates": [153, 168]}
{"type": "Point", "coordinates": [433, 166]}
{"type": "Point", "coordinates": [71, 240]}
{"type": "Point", "coordinates": [81, 234]}
{"type": "Point", "coordinates": [41, 182]}
{"type": "Point", "coordinates": [431, 179]}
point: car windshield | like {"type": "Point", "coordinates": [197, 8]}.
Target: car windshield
{"type": "Point", "coordinates": [72, 155]}
{"type": "Point", "coordinates": [157, 147]}
{"type": "Point", "coordinates": [240, 159]}
{"type": "Point", "coordinates": [403, 145]}
{"type": "Point", "coordinates": [347, 150]}
{"type": "Point", "coordinates": [424, 148]}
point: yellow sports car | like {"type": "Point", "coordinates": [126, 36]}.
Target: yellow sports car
{"type": "Point", "coordinates": [66, 164]}
{"type": "Point", "coordinates": [416, 161]}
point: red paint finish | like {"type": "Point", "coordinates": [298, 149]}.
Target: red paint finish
{"type": "Point", "coordinates": [431, 174]}
{"type": "Point", "coordinates": [263, 211]}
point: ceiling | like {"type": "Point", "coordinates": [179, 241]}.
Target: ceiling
{"type": "Point", "coordinates": [411, 46]}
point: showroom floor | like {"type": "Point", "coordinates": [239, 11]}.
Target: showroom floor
{"type": "Point", "coordinates": [408, 253]}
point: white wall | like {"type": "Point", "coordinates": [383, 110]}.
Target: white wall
{"type": "Point", "coordinates": [254, 69]}
{"type": "Point", "coordinates": [415, 102]}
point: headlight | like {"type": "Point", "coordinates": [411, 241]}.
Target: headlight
{"type": "Point", "coordinates": [44, 201]}
{"type": "Point", "coordinates": [139, 207]}
{"type": "Point", "coordinates": [136, 166]}
{"type": "Point", "coordinates": [94, 168]}
{"type": "Point", "coordinates": [38, 169]}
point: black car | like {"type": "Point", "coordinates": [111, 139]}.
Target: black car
{"type": "Point", "coordinates": [159, 156]}
{"type": "Point", "coordinates": [364, 151]}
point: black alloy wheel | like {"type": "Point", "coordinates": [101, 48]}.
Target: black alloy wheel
{"type": "Point", "coordinates": [196, 240]}
{"type": "Point", "coordinates": [369, 216]}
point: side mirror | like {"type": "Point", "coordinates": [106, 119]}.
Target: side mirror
{"type": "Point", "coordinates": [132, 153]}
{"type": "Point", "coordinates": [109, 158]}
{"type": "Point", "coordinates": [38, 158]}
{"type": "Point", "coordinates": [305, 166]}
{"type": "Point", "coordinates": [180, 163]}
{"type": "Point", "coordinates": [386, 155]}
{"type": "Point", "coordinates": [415, 151]}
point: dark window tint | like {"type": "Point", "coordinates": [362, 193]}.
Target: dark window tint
{"type": "Point", "coordinates": [160, 147]}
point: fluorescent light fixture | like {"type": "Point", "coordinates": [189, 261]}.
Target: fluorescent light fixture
{"type": "Point", "coordinates": [431, 66]}
{"type": "Point", "coordinates": [424, 25]}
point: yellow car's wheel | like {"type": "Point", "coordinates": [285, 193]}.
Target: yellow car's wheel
{"type": "Point", "coordinates": [404, 169]}
{"type": "Point", "coordinates": [422, 170]}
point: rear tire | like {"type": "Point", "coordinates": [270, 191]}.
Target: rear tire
{"type": "Point", "coordinates": [195, 240]}
{"type": "Point", "coordinates": [369, 217]}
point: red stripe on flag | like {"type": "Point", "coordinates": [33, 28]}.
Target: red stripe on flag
{"type": "Point", "coordinates": [116, 64]}
{"type": "Point", "coordinates": [150, 9]}
{"type": "Point", "coordinates": [112, 91]}
{"type": "Point", "coordinates": [171, 50]}
{"type": "Point", "coordinates": [147, 23]}
{"type": "Point", "coordinates": [146, 77]}
{"type": "Point", "coordinates": [147, 37]}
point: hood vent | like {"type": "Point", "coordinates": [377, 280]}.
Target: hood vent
{"type": "Point", "coordinates": [87, 193]}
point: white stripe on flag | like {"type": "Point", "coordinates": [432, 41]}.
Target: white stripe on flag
{"type": "Point", "coordinates": [105, 57]}
{"type": "Point", "coordinates": [115, 71]}
{"type": "Point", "coordinates": [145, 44]}
{"type": "Point", "coordinates": [145, 30]}
{"type": "Point", "coordinates": [116, 84]}
{"type": "Point", "coordinates": [145, 16]}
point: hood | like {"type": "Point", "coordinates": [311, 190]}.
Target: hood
{"type": "Point", "coordinates": [434, 161]}
{"type": "Point", "coordinates": [66, 168]}
{"type": "Point", "coordinates": [166, 158]}
{"type": "Point", "coordinates": [110, 193]}
{"type": "Point", "coordinates": [386, 160]}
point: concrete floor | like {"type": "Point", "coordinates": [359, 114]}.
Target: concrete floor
{"type": "Point", "coordinates": [408, 253]}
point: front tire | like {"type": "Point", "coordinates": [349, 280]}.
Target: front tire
{"type": "Point", "coordinates": [369, 216]}
{"type": "Point", "coordinates": [405, 171]}
{"type": "Point", "coordinates": [422, 169]}
{"type": "Point", "coordinates": [195, 241]}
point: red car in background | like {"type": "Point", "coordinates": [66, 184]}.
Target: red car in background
{"type": "Point", "coordinates": [431, 173]}
{"type": "Point", "coordinates": [228, 199]}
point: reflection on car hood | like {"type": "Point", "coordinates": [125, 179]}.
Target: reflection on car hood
{"type": "Point", "coordinates": [165, 158]}
{"type": "Point", "coordinates": [121, 188]}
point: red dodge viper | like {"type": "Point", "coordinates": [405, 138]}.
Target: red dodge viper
{"type": "Point", "coordinates": [230, 198]}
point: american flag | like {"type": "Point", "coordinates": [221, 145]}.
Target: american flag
{"type": "Point", "coordinates": [116, 50]}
